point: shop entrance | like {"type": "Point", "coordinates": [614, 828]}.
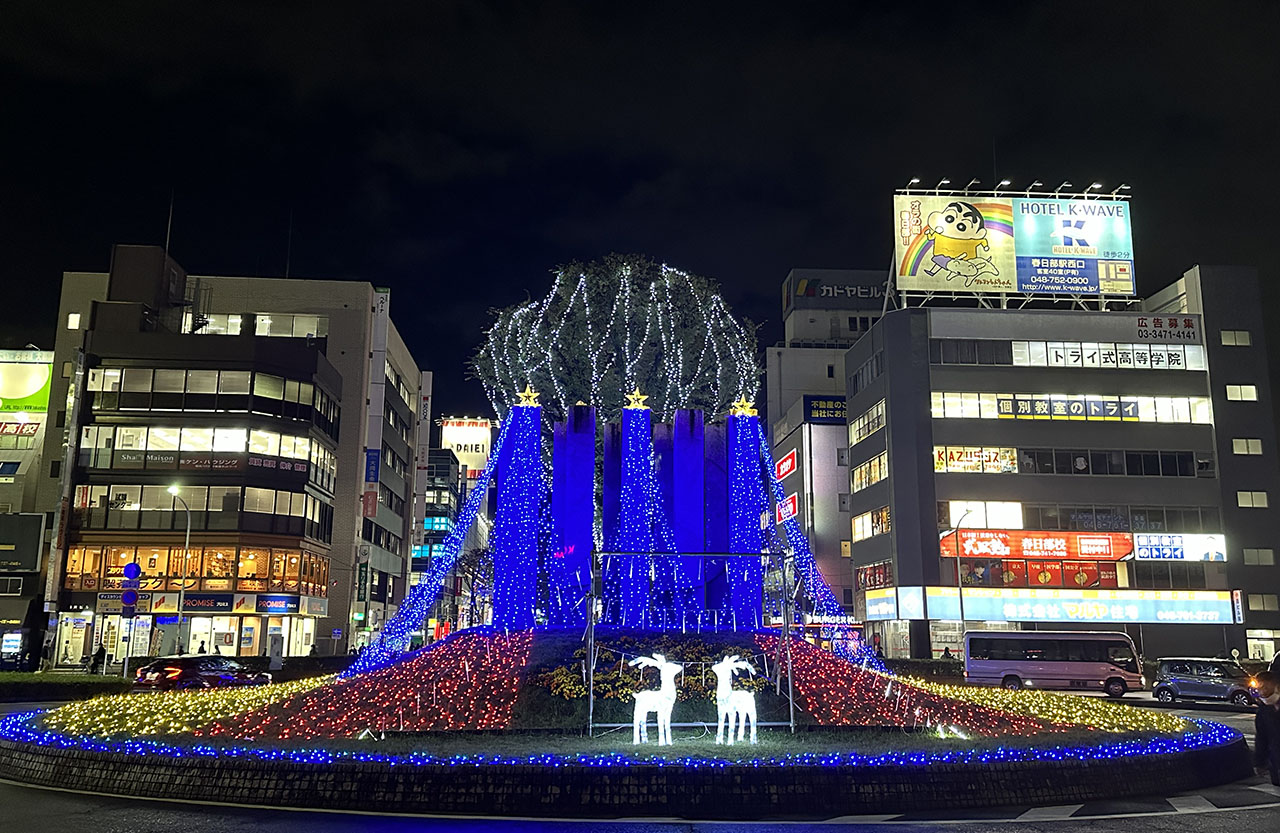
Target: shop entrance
{"type": "Point", "coordinates": [75, 634]}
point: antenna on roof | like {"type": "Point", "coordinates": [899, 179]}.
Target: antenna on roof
{"type": "Point", "coordinates": [168, 229]}
{"type": "Point", "coordinates": [288, 246]}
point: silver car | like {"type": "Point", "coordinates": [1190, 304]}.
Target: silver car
{"type": "Point", "coordinates": [1197, 678]}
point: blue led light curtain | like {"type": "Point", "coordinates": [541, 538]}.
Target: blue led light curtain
{"type": "Point", "coordinates": [747, 503]}
{"type": "Point", "coordinates": [396, 634]}
{"type": "Point", "coordinates": [635, 538]}
{"type": "Point", "coordinates": [515, 531]}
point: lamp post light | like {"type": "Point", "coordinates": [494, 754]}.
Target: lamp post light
{"type": "Point", "coordinates": [959, 581]}
{"type": "Point", "coordinates": [186, 550]}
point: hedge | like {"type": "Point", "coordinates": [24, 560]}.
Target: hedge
{"type": "Point", "coordinates": [20, 687]}
{"type": "Point", "coordinates": [293, 668]}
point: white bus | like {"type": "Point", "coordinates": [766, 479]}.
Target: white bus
{"type": "Point", "coordinates": [1088, 660]}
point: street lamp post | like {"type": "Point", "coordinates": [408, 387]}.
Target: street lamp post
{"type": "Point", "coordinates": [186, 549]}
{"type": "Point", "coordinates": [959, 575]}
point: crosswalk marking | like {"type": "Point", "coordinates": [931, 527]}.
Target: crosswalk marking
{"type": "Point", "coordinates": [1266, 788]}
{"type": "Point", "coordinates": [1191, 803]}
{"type": "Point", "coordinates": [1061, 811]}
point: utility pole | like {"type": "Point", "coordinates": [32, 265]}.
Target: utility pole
{"type": "Point", "coordinates": [591, 647]}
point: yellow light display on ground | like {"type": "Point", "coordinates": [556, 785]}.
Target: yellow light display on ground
{"type": "Point", "coordinates": [170, 712]}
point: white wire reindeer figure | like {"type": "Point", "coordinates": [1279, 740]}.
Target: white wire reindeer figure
{"type": "Point", "coordinates": [733, 708]}
{"type": "Point", "coordinates": [659, 702]}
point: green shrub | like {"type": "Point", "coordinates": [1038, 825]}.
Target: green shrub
{"type": "Point", "coordinates": [934, 670]}
{"type": "Point", "coordinates": [19, 687]}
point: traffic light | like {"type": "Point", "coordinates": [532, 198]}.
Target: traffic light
{"type": "Point", "coordinates": [129, 597]}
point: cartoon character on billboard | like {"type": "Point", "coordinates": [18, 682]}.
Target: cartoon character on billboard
{"type": "Point", "coordinates": [960, 247]}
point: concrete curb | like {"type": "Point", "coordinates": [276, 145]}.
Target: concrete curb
{"type": "Point", "coordinates": [575, 790]}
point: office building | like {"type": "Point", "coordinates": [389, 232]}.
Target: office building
{"type": "Point", "coordinates": [25, 377]}
{"type": "Point", "coordinates": [284, 414]}
{"type": "Point", "coordinates": [824, 312]}
{"type": "Point", "coordinates": [1071, 469]}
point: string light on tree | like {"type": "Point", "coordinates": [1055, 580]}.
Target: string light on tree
{"type": "Point", "coordinates": [608, 326]}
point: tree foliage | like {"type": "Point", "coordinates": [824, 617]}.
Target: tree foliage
{"type": "Point", "coordinates": [613, 325]}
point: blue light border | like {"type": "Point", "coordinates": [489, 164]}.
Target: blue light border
{"type": "Point", "coordinates": [17, 728]}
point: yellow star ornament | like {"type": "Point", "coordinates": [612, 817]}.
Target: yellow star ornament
{"type": "Point", "coordinates": [636, 399]}
{"type": "Point", "coordinates": [528, 397]}
{"type": "Point", "coordinates": [742, 407]}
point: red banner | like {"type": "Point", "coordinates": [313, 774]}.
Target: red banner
{"type": "Point", "coordinates": [1044, 573]}
{"type": "Point", "coordinates": [1018, 543]}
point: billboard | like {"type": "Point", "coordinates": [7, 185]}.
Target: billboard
{"type": "Point", "coordinates": [1002, 244]}
{"type": "Point", "coordinates": [24, 387]}
{"type": "Point", "coordinates": [469, 440]}
{"type": "Point", "coordinates": [1018, 543]}
{"type": "Point", "coordinates": [1165, 547]}
{"type": "Point", "coordinates": [21, 542]}
{"type": "Point", "coordinates": [825, 410]}
{"type": "Point", "coordinates": [882, 604]}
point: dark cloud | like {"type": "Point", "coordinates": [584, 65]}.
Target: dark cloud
{"type": "Point", "coordinates": [457, 151]}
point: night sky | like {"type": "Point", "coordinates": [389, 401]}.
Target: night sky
{"type": "Point", "coordinates": [459, 151]}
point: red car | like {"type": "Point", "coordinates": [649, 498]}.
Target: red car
{"type": "Point", "coordinates": [176, 673]}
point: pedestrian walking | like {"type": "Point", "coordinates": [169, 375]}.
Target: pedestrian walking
{"type": "Point", "coordinates": [99, 657]}
{"type": "Point", "coordinates": [1266, 723]}
{"type": "Point", "coordinates": [201, 649]}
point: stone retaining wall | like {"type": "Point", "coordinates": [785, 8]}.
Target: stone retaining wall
{"type": "Point", "coordinates": [731, 792]}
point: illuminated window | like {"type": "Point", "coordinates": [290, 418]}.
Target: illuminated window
{"type": "Point", "coordinates": [1251, 500]}
{"type": "Point", "coordinates": [981, 514]}
{"type": "Point", "coordinates": [1236, 338]}
{"type": "Point", "coordinates": [869, 524]}
{"type": "Point", "coordinates": [872, 471]}
{"type": "Point", "coordinates": [1246, 446]}
{"type": "Point", "coordinates": [1242, 393]}
{"type": "Point", "coordinates": [73, 321]}
{"type": "Point", "coordinates": [870, 422]}
{"type": "Point", "coordinates": [1259, 556]}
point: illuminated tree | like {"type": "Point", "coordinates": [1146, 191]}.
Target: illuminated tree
{"type": "Point", "coordinates": [612, 325]}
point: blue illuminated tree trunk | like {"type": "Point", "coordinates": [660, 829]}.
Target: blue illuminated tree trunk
{"type": "Point", "coordinates": [747, 505]}
{"type": "Point", "coordinates": [515, 532]}
{"type": "Point", "coordinates": [573, 508]}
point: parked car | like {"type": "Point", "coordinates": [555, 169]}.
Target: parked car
{"type": "Point", "coordinates": [188, 672]}
{"type": "Point", "coordinates": [1197, 678]}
